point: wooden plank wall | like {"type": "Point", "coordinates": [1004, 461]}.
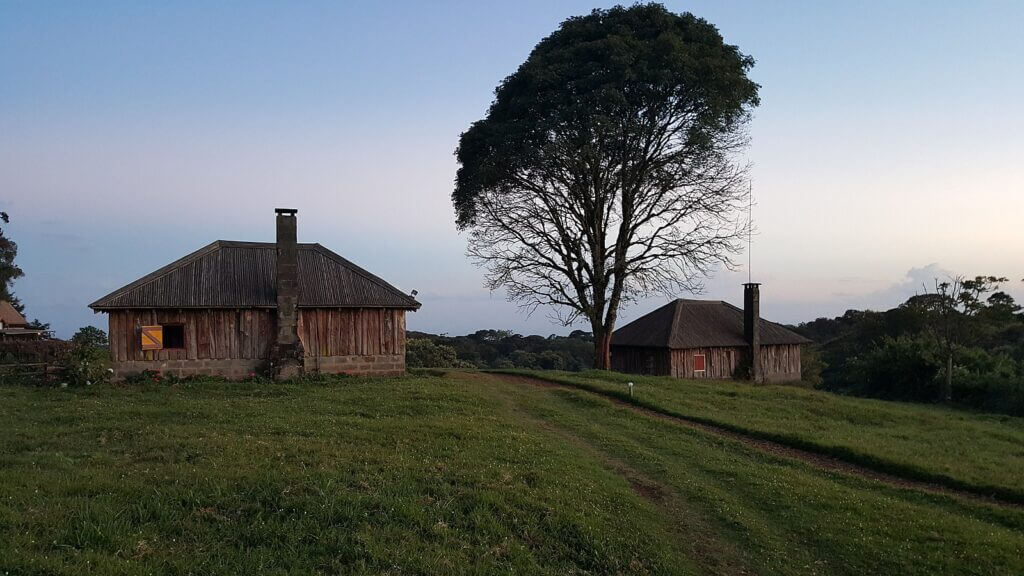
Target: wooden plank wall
{"type": "Point", "coordinates": [781, 362]}
{"type": "Point", "coordinates": [778, 363]}
{"type": "Point", "coordinates": [250, 333]}
{"type": "Point", "coordinates": [209, 334]}
{"type": "Point", "coordinates": [719, 363]}
{"type": "Point", "coordinates": [635, 360]}
{"type": "Point", "coordinates": [352, 331]}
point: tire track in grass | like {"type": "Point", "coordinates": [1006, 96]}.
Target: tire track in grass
{"type": "Point", "coordinates": [713, 555]}
{"type": "Point", "coordinates": [814, 459]}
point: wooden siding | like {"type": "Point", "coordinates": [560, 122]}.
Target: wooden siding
{"type": "Point", "coordinates": [638, 360]}
{"type": "Point", "coordinates": [778, 363]}
{"type": "Point", "coordinates": [719, 363]}
{"type": "Point", "coordinates": [352, 332]}
{"type": "Point", "coordinates": [249, 333]}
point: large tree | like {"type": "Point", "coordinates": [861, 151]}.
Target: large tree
{"type": "Point", "coordinates": [606, 167]}
{"type": "Point", "coordinates": [9, 271]}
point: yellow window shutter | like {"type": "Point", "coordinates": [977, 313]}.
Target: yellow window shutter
{"type": "Point", "coordinates": [152, 337]}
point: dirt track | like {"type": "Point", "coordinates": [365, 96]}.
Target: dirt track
{"type": "Point", "coordinates": [812, 458]}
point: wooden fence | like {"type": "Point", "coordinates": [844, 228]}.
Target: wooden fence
{"type": "Point", "coordinates": [32, 361]}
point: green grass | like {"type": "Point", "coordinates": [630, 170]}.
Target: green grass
{"type": "Point", "coordinates": [983, 453]}
{"type": "Point", "coordinates": [416, 475]}
{"type": "Point", "coordinates": [461, 474]}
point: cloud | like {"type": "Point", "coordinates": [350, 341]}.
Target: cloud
{"type": "Point", "coordinates": [916, 281]}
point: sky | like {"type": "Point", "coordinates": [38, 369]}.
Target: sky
{"type": "Point", "coordinates": [886, 152]}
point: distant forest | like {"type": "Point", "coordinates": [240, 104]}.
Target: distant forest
{"type": "Point", "coordinates": [501, 349]}
{"type": "Point", "coordinates": [966, 327]}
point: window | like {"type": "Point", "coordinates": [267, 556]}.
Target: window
{"type": "Point", "coordinates": [699, 363]}
{"type": "Point", "coordinates": [174, 336]}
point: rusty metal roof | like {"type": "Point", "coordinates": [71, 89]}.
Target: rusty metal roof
{"type": "Point", "coordinates": [227, 274]}
{"type": "Point", "coordinates": [698, 324]}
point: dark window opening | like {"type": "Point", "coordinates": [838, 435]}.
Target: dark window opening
{"type": "Point", "coordinates": [174, 336]}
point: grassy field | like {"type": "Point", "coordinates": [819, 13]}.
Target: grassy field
{"type": "Point", "coordinates": [461, 474]}
{"type": "Point", "coordinates": [983, 453]}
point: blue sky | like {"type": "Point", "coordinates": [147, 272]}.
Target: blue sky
{"type": "Point", "coordinates": [887, 149]}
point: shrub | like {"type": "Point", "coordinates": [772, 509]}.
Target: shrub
{"type": "Point", "coordinates": [902, 368]}
{"type": "Point", "coordinates": [550, 360]}
{"type": "Point", "coordinates": [524, 359]}
{"type": "Point", "coordinates": [424, 353]}
{"type": "Point", "coordinates": [88, 360]}
{"type": "Point", "coordinates": [989, 391]}
{"type": "Point", "coordinates": [811, 366]}
{"type": "Point", "coordinates": [987, 381]}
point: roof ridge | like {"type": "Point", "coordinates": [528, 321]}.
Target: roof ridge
{"type": "Point", "coordinates": [699, 301]}
{"type": "Point", "coordinates": [251, 244]}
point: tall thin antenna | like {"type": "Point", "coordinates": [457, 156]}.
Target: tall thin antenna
{"type": "Point", "coordinates": [750, 227]}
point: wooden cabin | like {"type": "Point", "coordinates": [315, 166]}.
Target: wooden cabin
{"type": "Point", "coordinates": [709, 339]}
{"type": "Point", "coordinates": [236, 308]}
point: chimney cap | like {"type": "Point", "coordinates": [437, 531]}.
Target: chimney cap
{"type": "Point", "coordinates": [288, 211]}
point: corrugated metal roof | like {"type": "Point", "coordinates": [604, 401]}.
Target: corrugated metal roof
{"type": "Point", "coordinates": [228, 274]}
{"type": "Point", "coordinates": [698, 324]}
{"type": "Point", "coordinates": [10, 316]}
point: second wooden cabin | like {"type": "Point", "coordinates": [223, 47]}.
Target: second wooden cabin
{"type": "Point", "coordinates": [709, 339]}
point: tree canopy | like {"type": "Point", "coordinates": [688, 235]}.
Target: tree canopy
{"type": "Point", "coordinates": [605, 168]}
{"type": "Point", "coordinates": [9, 271]}
{"type": "Point", "coordinates": [963, 342]}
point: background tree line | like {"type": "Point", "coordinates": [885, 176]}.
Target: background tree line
{"type": "Point", "coordinates": [500, 349]}
{"type": "Point", "coordinates": [962, 341]}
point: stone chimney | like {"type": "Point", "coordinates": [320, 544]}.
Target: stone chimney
{"type": "Point", "coordinates": [752, 328]}
{"type": "Point", "coordinates": [288, 353]}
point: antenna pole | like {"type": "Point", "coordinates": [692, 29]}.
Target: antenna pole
{"type": "Point", "coordinates": [750, 227]}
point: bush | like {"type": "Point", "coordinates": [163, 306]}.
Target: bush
{"type": "Point", "coordinates": [550, 360]}
{"type": "Point", "coordinates": [811, 366]}
{"type": "Point", "coordinates": [989, 391]}
{"type": "Point", "coordinates": [424, 353]}
{"type": "Point", "coordinates": [902, 368]}
{"type": "Point", "coordinates": [524, 359]}
{"type": "Point", "coordinates": [88, 360]}
{"type": "Point", "coordinates": [987, 381]}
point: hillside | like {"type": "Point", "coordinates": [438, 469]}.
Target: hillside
{"type": "Point", "coordinates": [973, 451]}
{"type": "Point", "coordinates": [461, 473]}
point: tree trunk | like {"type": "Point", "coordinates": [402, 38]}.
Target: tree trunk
{"type": "Point", "coordinates": [947, 385]}
{"type": "Point", "coordinates": [602, 349]}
